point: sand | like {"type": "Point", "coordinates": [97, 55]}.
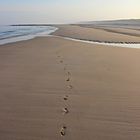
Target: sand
{"type": "Point", "coordinates": [99, 34]}
{"type": "Point", "coordinates": [52, 89]}
{"type": "Point", "coordinates": [125, 31]}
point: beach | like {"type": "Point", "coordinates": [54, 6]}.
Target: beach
{"type": "Point", "coordinates": [52, 88]}
{"type": "Point", "coordinates": [99, 34]}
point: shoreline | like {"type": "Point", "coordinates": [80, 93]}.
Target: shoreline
{"type": "Point", "coordinates": [86, 40]}
{"type": "Point", "coordinates": [112, 44]}
{"type": "Point", "coordinates": [100, 41]}
{"type": "Point", "coordinates": [95, 35]}
{"type": "Point", "coordinates": [119, 45]}
{"type": "Point", "coordinates": [28, 36]}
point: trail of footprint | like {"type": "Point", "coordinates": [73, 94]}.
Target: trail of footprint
{"type": "Point", "coordinates": [65, 110]}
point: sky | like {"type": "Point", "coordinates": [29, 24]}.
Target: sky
{"type": "Point", "coordinates": [66, 11]}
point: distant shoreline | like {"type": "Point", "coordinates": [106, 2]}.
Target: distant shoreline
{"type": "Point", "coordinates": [32, 25]}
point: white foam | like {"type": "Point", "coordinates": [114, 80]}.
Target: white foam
{"type": "Point", "coordinates": [48, 30]}
{"type": "Point", "coordinates": [108, 44]}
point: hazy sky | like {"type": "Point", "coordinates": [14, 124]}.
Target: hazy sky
{"type": "Point", "coordinates": [64, 11]}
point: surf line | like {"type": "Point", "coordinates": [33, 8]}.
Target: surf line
{"type": "Point", "coordinates": [135, 45]}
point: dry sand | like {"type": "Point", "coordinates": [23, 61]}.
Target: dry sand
{"type": "Point", "coordinates": [53, 89]}
{"type": "Point", "coordinates": [120, 30]}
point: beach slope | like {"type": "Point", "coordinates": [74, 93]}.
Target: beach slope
{"type": "Point", "coordinates": [52, 88]}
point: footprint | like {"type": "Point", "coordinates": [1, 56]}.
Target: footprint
{"type": "Point", "coordinates": [70, 86]}
{"type": "Point", "coordinates": [65, 110]}
{"type": "Point", "coordinates": [63, 131]}
{"type": "Point", "coordinates": [61, 61]}
{"type": "Point", "coordinates": [69, 73]}
{"type": "Point", "coordinates": [68, 80]}
{"type": "Point", "coordinates": [65, 97]}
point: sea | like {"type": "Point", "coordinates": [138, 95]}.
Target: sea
{"type": "Point", "coordinates": [9, 34]}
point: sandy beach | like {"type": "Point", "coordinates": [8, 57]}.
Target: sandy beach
{"type": "Point", "coordinates": [52, 88]}
{"type": "Point", "coordinates": [99, 34]}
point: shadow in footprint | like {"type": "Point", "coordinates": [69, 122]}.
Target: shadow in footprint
{"type": "Point", "coordinates": [65, 110]}
{"type": "Point", "coordinates": [65, 97]}
{"type": "Point", "coordinates": [68, 80]}
{"type": "Point", "coordinates": [61, 61]}
{"type": "Point", "coordinates": [63, 131]}
{"type": "Point", "coordinates": [70, 86]}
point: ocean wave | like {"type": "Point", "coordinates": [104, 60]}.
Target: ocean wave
{"type": "Point", "coordinates": [10, 34]}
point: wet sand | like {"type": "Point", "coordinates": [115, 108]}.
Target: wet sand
{"type": "Point", "coordinates": [53, 89]}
